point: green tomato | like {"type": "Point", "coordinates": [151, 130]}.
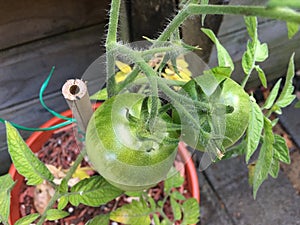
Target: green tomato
{"type": "Point", "coordinates": [123, 150]}
{"type": "Point", "coordinates": [236, 107]}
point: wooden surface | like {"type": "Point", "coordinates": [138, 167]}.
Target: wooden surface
{"type": "Point", "coordinates": [28, 20]}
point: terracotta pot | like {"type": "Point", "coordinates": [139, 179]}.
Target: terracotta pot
{"type": "Point", "coordinates": [38, 139]}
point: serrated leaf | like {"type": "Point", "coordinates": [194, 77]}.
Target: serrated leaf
{"type": "Point", "coordinates": [272, 96]}
{"type": "Point", "coordinates": [29, 219]}
{"type": "Point", "coordinates": [262, 76]}
{"type": "Point", "coordinates": [62, 203]}
{"type": "Point", "coordinates": [156, 219]}
{"type": "Point", "coordinates": [177, 195]}
{"type": "Point", "coordinates": [265, 157]}
{"type": "Point", "coordinates": [174, 181]}
{"type": "Point", "coordinates": [248, 58]}
{"type": "Point", "coordinates": [255, 127]}
{"type": "Point", "coordinates": [55, 214]}
{"type": "Point", "coordinates": [281, 150]}
{"type": "Point", "coordinates": [286, 96]}
{"type": "Point", "coordinates": [24, 160]}
{"type": "Point", "coordinates": [191, 211]}
{"type": "Point", "coordinates": [175, 209]}
{"type": "Point", "coordinates": [292, 28]}
{"type": "Point", "coordinates": [224, 58]}
{"type": "Point", "coordinates": [93, 191]}
{"type": "Point", "coordinates": [274, 169]}
{"type": "Point", "coordinates": [251, 25]}
{"type": "Point", "coordinates": [135, 213]}
{"type": "Point", "coordinates": [6, 184]}
{"type": "Point", "coordinates": [102, 219]}
{"type": "Point", "coordinates": [262, 52]}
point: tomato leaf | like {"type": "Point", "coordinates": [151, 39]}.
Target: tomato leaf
{"type": "Point", "coordinates": [274, 169]}
{"type": "Point", "coordinates": [102, 219]}
{"type": "Point", "coordinates": [251, 25]}
{"type": "Point", "coordinates": [272, 96]}
{"type": "Point", "coordinates": [62, 203]}
{"type": "Point", "coordinates": [292, 28]}
{"type": "Point", "coordinates": [265, 157]}
{"type": "Point", "coordinates": [256, 123]}
{"type": "Point", "coordinates": [286, 96]}
{"type": "Point", "coordinates": [191, 211]}
{"type": "Point", "coordinates": [177, 195]}
{"type": "Point", "coordinates": [135, 213]}
{"type": "Point", "coordinates": [248, 59]}
{"type": "Point", "coordinates": [224, 58]}
{"type": "Point", "coordinates": [29, 219]}
{"type": "Point", "coordinates": [262, 52]}
{"type": "Point", "coordinates": [156, 219]}
{"type": "Point", "coordinates": [6, 184]}
{"type": "Point", "coordinates": [262, 76]}
{"type": "Point", "coordinates": [55, 214]}
{"type": "Point", "coordinates": [174, 181]}
{"type": "Point", "coordinates": [219, 70]}
{"type": "Point", "coordinates": [24, 160]}
{"type": "Point", "coordinates": [281, 150]}
{"type": "Point", "coordinates": [175, 209]}
{"type": "Point", "coordinates": [93, 191]}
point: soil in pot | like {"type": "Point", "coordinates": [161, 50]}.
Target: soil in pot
{"type": "Point", "coordinates": [59, 152]}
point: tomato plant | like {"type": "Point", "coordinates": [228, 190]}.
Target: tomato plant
{"type": "Point", "coordinates": [123, 149]}
{"type": "Point", "coordinates": [229, 109]}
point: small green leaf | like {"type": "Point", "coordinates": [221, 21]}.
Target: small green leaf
{"type": "Point", "coordinates": [24, 160]}
{"type": "Point", "coordinates": [56, 214]}
{"type": "Point", "coordinates": [286, 96]}
{"type": "Point", "coordinates": [248, 60]}
{"type": "Point", "coordinates": [62, 203]}
{"type": "Point", "coordinates": [191, 211]}
{"type": "Point", "coordinates": [102, 219]}
{"type": "Point", "coordinates": [281, 150]}
{"type": "Point", "coordinates": [274, 169]}
{"type": "Point", "coordinates": [6, 184]}
{"type": "Point", "coordinates": [174, 181]}
{"type": "Point", "coordinates": [29, 219]}
{"type": "Point", "coordinates": [135, 213]}
{"type": "Point", "coordinates": [224, 58]}
{"type": "Point", "coordinates": [63, 187]}
{"type": "Point", "coordinates": [256, 123]}
{"type": "Point", "coordinates": [265, 157]}
{"type": "Point", "coordinates": [177, 195]}
{"type": "Point", "coordinates": [175, 209]}
{"type": "Point", "coordinates": [152, 203]}
{"type": "Point", "coordinates": [100, 95]}
{"type": "Point", "coordinates": [262, 76]}
{"type": "Point", "coordinates": [93, 191]}
{"type": "Point", "coordinates": [262, 52]}
{"type": "Point", "coordinates": [156, 219]}
{"type": "Point", "coordinates": [251, 24]}
{"type": "Point", "coordinates": [272, 96]}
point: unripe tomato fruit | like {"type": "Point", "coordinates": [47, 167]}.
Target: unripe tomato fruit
{"type": "Point", "coordinates": [123, 151]}
{"type": "Point", "coordinates": [234, 98]}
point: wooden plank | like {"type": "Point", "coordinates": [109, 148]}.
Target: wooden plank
{"type": "Point", "coordinates": [148, 18]}
{"type": "Point", "coordinates": [24, 69]}
{"type": "Point", "coordinates": [272, 32]}
{"type": "Point", "coordinates": [27, 20]}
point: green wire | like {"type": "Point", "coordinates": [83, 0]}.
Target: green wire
{"type": "Point", "coordinates": [38, 129]}
{"type": "Point", "coordinates": [42, 90]}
